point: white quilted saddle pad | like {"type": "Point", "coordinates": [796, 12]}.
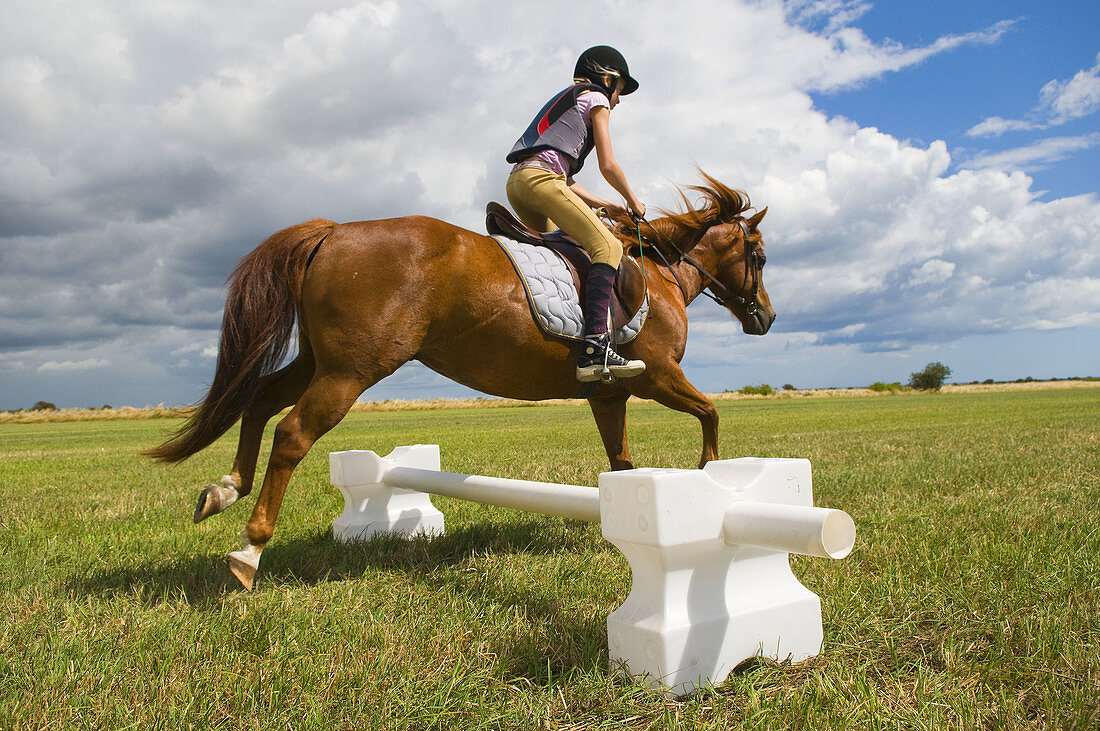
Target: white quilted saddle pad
{"type": "Point", "coordinates": [552, 295]}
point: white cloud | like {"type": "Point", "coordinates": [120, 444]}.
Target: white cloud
{"type": "Point", "coordinates": [144, 149]}
{"type": "Point", "coordinates": [931, 272]}
{"type": "Point", "coordinates": [997, 126]}
{"type": "Point", "coordinates": [1035, 156]}
{"type": "Point", "coordinates": [833, 14]}
{"type": "Point", "coordinates": [857, 59]}
{"type": "Point", "coordinates": [1060, 102]}
{"type": "Point", "coordinates": [1078, 97]}
{"type": "Point", "coordinates": [73, 365]}
{"type": "Point", "coordinates": [203, 350]}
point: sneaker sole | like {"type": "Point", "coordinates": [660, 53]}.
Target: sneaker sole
{"type": "Point", "coordinates": [590, 373]}
{"type": "Point", "coordinates": [628, 371]}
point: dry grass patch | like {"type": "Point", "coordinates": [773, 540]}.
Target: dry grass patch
{"type": "Point", "coordinates": [173, 412]}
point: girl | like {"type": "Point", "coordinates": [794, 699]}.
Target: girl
{"type": "Point", "coordinates": [544, 195]}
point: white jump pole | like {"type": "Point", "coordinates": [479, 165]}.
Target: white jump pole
{"type": "Point", "coordinates": [708, 549]}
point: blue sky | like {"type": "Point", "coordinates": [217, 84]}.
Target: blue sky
{"type": "Point", "coordinates": [947, 95]}
{"type": "Point", "coordinates": [930, 170]}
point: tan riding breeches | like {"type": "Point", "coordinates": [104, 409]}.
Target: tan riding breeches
{"type": "Point", "coordinates": [543, 201]}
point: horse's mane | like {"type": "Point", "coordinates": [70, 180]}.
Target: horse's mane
{"type": "Point", "coordinates": [719, 204]}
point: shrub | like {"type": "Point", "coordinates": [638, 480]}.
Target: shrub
{"type": "Point", "coordinates": [762, 390]}
{"type": "Point", "coordinates": [881, 387]}
{"type": "Point", "coordinates": [931, 378]}
{"type": "Point", "coordinates": [44, 406]}
{"type": "Point", "coordinates": [789, 387]}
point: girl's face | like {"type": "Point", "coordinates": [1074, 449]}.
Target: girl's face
{"type": "Point", "coordinates": [619, 84]}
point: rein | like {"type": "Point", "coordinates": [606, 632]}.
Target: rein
{"type": "Point", "coordinates": [750, 304]}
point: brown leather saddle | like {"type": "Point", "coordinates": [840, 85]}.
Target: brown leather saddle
{"type": "Point", "coordinates": [630, 285]}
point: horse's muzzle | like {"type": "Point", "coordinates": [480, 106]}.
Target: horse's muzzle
{"type": "Point", "coordinates": [759, 322]}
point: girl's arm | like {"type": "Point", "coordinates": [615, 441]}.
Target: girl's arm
{"type": "Point", "coordinates": [593, 201]}
{"type": "Point", "coordinates": [612, 173]}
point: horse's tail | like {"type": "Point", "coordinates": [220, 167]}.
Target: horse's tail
{"type": "Point", "coordinates": [260, 311]}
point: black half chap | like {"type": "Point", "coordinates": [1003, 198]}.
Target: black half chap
{"type": "Point", "coordinates": [601, 280]}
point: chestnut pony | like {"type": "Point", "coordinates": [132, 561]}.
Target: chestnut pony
{"type": "Point", "coordinates": [370, 296]}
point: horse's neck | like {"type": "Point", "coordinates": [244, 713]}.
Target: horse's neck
{"type": "Point", "coordinates": [683, 275]}
{"type": "Point", "coordinates": [692, 280]}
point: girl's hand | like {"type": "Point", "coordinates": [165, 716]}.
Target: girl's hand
{"type": "Point", "coordinates": [615, 211]}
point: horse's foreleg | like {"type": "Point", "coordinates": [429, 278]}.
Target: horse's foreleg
{"type": "Point", "coordinates": [676, 392]}
{"type": "Point", "coordinates": [610, 414]}
{"type": "Point", "coordinates": [324, 403]}
{"type": "Point", "coordinates": [276, 392]}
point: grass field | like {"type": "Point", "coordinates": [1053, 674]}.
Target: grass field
{"type": "Point", "coordinates": [972, 599]}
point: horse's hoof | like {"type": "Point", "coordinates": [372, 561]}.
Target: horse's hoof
{"type": "Point", "coordinates": [208, 504]}
{"type": "Point", "coordinates": [214, 499]}
{"type": "Point", "coordinates": [243, 564]}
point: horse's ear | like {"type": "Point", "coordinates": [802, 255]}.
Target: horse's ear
{"type": "Point", "coordinates": [755, 220]}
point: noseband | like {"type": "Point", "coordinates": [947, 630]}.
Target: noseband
{"type": "Point", "coordinates": [724, 295]}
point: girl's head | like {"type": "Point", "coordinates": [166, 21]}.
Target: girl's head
{"type": "Point", "coordinates": [605, 67]}
{"type": "Point", "coordinates": [611, 83]}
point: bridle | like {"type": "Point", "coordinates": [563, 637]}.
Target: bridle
{"type": "Point", "coordinates": [724, 296]}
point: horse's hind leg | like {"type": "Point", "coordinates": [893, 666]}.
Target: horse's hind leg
{"type": "Point", "coordinates": [323, 405]}
{"type": "Point", "coordinates": [277, 391]}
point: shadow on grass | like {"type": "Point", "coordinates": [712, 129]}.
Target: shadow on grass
{"type": "Point", "coordinates": [565, 640]}
{"type": "Point", "coordinates": [318, 558]}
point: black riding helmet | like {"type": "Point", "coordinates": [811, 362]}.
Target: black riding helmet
{"type": "Point", "coordinates": [590, 61]}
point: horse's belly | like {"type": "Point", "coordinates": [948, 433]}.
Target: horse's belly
{"type": "Point", "coordinates": [503, 354]}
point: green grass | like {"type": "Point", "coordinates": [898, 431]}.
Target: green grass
{"type": "Point", "coordinates": [972, 599]}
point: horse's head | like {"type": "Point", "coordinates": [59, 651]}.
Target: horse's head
{"type": "Point", "coordinates": [726, 248]}
{"type": "Point", "coordinates": [738, 282]}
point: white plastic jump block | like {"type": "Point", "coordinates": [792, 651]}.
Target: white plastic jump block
{"type": "Point", "coordinates": [712, 582]}
{"type": "Point", "coordinates": [708, 550]}
{"type": "Point", "coordinates": [371, 506]}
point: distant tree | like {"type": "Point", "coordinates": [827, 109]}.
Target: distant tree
{"type": "Point", "coordinates": [789, 387]}
{"type": "Point", "coordinates": [44, 406]}
{"type": "Point", "coordinates": [931, 378]}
